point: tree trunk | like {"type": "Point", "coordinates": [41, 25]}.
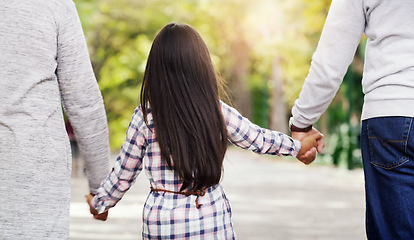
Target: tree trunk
{"type": "Point", "coordinates": [239, 78]}
{"type": "Point", "coordinates": [278, 118]}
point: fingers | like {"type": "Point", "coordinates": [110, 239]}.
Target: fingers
{"type": "Point", "coordinates": [308, 157]}
{"type": "Point", "coordinates": [89, 198]}
{"type": "Point", "coordinates": [319, 140]}
{"type": "Point", "coordinates": [320, 145]}
{"type": "Point", "coordinates": [103, 216]}
{"type": "Point", "coordinates": [312, 143]}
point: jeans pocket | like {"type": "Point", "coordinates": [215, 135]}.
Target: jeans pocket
{"type": "Point", "coordinates": [387, 138]}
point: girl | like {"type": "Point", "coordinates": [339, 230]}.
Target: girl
{"type": "Point", "coordinates": [179, 135]}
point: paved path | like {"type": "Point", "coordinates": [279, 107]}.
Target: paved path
{"type": "Point", "coordinates": [271, 198]}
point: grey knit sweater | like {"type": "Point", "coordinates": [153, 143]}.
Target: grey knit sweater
{"type": "Point", "coordinates": [388, 81]}
{"type": "Point", "coordinates": [43, 60]}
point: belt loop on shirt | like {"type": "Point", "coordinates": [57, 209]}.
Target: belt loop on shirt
{"type": "Point", "coordinates": [197, 193]}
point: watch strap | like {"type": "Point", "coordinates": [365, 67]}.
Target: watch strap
{"type": "Point", "coordinates": [293, 128]}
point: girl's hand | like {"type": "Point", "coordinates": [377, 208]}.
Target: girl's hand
{"type": "Point", "coordinates": [310, 144]}
{"type": "Point", "coordinates": [103, 216]}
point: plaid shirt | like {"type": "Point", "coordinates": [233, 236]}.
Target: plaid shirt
{"type": "Point", "coordinates": [175, 216]}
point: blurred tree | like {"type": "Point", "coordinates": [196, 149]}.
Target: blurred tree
{"type": "Point", "coordinates": [120, 34]}
{"type": "Point", "coordinates": [262, 49]}
{"type": "Point", "coordinates": [305, 19]}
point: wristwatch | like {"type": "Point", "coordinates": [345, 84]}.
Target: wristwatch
{"type": "Point", "coordinates": [293, 128]}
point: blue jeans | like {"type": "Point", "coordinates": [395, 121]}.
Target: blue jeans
{"type": "Point", "coordinates": [387, 145]}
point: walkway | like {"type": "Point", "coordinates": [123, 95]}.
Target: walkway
{"type": "Point", "coordinates": [271, 198]}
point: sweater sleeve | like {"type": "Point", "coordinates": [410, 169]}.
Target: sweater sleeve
{"type": "Point", "coordinates": [81, 97]}
{"type": "Point", "coordinates": [339, 40]}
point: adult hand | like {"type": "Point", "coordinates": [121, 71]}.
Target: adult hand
{"type": "Point", "coordinates": [310, 155]}
{"type": "Point", "coordinates": [103, 216]}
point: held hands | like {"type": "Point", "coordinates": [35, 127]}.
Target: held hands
{"type": "Point", "coordinates": [312, 142]}
{"type": "Point", "coordinates": [103, 216]}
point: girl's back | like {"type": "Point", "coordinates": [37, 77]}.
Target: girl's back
{"type": "Point", "coordinates": [179, 136]}
{"type": "Point", "coordinates": [171, 215]}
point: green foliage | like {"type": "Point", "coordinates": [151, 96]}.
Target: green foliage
{"type": "Point", "coordinates": [120, 33]}
{"type": "Point", "coordinates": [343, 147]}
{"type": "Point", "coordinates": [343, 119]}
{"type": "Point", "coordinates": [260, 100]}
{"type": "Point", "coordinates": [244, 38]}
{"type": "Point", "coordinates": [306, 19]}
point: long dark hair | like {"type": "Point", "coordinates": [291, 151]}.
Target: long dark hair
{"type": "Point", "coordinates": [180, 87]}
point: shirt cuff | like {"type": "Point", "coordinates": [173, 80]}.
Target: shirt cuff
{"type": "Point", "coordinates": [295, 122]}
{"type": "Point", "coordinates": [99, 206]}
{"type": "Point", "coordinates": [93, 191]}
{"type": "Point", "coordinates": [297, 146]}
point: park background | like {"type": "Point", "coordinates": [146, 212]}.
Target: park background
{"type": "Point", "coordinates": [263, 50]}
